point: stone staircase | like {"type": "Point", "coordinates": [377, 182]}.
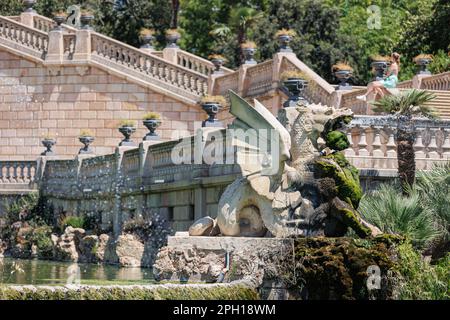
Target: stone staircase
{"type": "Point", "coordinates": [441, 103]}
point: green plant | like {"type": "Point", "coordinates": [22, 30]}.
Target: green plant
{"type": "Point", "coordinates": [146, 32]}
{"type": "Point", "coordinates": [172, 32]}
{"type": "Point", "coordinates": [420, 280]}
{"type": "Point", "coordinates": [86, 133]}
{"type": "Point", "coordinates": [127, 123]}
{"type": "Point", "coordinates": [214, 99]}
{"type": "Point", "coordinates": [22, 209]}
{"type": "Point", "coordinates": [293, 74]}
{"type": "Point", "coordinates": [217, 56]}
{"type": "Point", "coordinates": [423, 56]}
{"type": "Point", "coordinates": [395, 213]}
{"type": "Point", "coordinates": [151, 116]}
{"type": "Point", "coordinates": [440, 63]}
{"type": "Point", "coordinates": [286, 32]}
{"type": "Point", "coordinates": [341, 66]}
{"type": "Point", "coordinates": [87, 12]}
{"type": "Point", "coordinates": [404, 106]}
{"type": "Point", "coordinates": [73, 221]}
{"type": "Point", "coordinates": [248, 45]}
{"type": "Point", "coordinates": [378, 57]}
{"type": "Point", "coordinates": [41, 237]}
{"type": "Point", "coordinates": [60, 13]}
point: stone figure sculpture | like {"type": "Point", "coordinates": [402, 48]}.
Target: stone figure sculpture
{"type": "Point", "coordinates": [303, 186]}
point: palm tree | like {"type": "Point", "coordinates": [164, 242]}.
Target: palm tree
{"type": "Point", "coordinates": [404, 106]}
{"type": "Point", "coordinates": [241, 19]}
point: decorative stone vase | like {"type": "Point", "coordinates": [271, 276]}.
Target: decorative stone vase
{"type": "Point", "coordinates": [29, 5]}
{"type": "Point", "coordinates": [212, 109]}
{"type": "Point", "coordinates": [284, 41]}
{"type": "Point", "coordinates": [172, 40]}
{"type": "Point", "coordinates": [343, 76]}
{"type": "Point", "coordinates": [249, 54]}
{"type": "Point", "coordinates": [295, 88]}
{"type": "Point", "coordinates": [147, 42]}
{"type": "Point", "coordinates": [218, 63]}
{"type": "Point", "coordinates": [380, 69]}
{"type": "Point", "coordinates": [86, 140]}
{"type": "Point", "coordinates": [86, 20]}
{"type": "Point", "coordinates": [423, 65]}
{"type": "Point", "coordinates": [48, 143]}
{"type": "Point", "coordinates": [59, 20]}
{"type": "Point", "coordinates": [127, 131]}
{"type": "Point", "coordinates": [151, 125]}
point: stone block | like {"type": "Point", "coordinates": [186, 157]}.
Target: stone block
{"type": "Point", "coordinates": [183, 213]}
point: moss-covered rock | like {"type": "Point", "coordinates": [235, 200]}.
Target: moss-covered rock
{"type": "Point", "coordinates": [337, 268]}
{"type": "Point", "coordinates": [345, 175]}
{"type": "Point", "coordinates": [232, 291]}
{"type": "Point", "coordinates": [337, 140]}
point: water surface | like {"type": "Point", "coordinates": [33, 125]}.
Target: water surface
{"type": "Point", "coordinates": [40, 272]}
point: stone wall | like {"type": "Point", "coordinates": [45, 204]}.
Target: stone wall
{"type": "Point", "coordinates": [36, 100]}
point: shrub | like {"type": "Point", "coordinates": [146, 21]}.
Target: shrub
{"type": "Point", "coordinates": [22, 209]}
{"type": "Point", "coordinates": [440, 63]}
{"type": "Point", "coordinates": [151, 116]}
{"type": "Point", "coordinates": [419, 279]}
{"type": "Point", "coordinates": [248, 45]}
{"type": "Point", "coordinates": [394, 213]}
{"type": "Point", "coordinates": [127, 123]}
{"type": "Point", "coordinates": [286, 32]}
{"type": "Point", "coordinates": [73, 221]}
{"type": "Point", "coordinates": [293, 74]}
{"type": "Point", "coordinates": [86, 133]}
{"type": "Point", "coordinates": [341, 66]}
{"type": "Point", "coordinates": [146, 32]}
{"type": "Point", "coordinates": [214, 99]}
{"type": "Point", "coordinates": [41, 237]}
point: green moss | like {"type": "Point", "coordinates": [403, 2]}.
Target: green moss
{"type": "Point", "coordinates": [337, 140]}
{"type": "Point", "coordinates": [181, 292]}
{"type": "Point", "coordinates": [336, 268]}
{"type": "Point", "coordinates": [350, 219]}
{"type": "Point", "coordinates": [346, 177]}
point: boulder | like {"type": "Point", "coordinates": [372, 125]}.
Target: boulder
{"type": "Point", "coordinates": [88, 249]}
{"type": "Point", "coordinates": [202, 227]}
{"type": "Point", "coordinates": [129, 250]}
{"type": "Point", "coordinates": [66, 248]}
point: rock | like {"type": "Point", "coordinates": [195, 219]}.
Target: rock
{"type": "Point", "coordinates": [66, 248]}
{"type": "Point", "coordinates": [88, 249]}
{"type": "Point", "coordinates": [129, 250]}
{"type": "Point", "coordinates": [202, 227]}
{"type": "Point", "coordinates": [103, 240]}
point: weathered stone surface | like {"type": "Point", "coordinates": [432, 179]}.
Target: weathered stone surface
{"type": "Point", "coordinates": [202, 227]}
{"type": "Point", "coordinates": [66, 248]}
{"type": "Point", "coordinates": [129, 250]}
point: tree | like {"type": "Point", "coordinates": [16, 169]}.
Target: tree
{"type": "Point", "coordinates": [404, 106]}
{"type": "Point", "coordinates": [11, 7]}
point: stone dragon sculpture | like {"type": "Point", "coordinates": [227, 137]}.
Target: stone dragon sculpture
{"type": "Point", "coordinates": [302, 184]}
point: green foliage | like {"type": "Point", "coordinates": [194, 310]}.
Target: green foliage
{"type": "Point", "coordinates": [337, 140]}
{"type": "Point", "coordinates": [392, 212]}
{"type": "Point", "coordinates": [23, 208]}
{"type": "Point", "coordinates": [440, 63]}
{"type": "Point", "coordinates": [73, 221]}
{"type": "Point", "coordinates": [40, 236]}
{"type": "Point", "coordinates": [11, 7]}
{"type": "Point", "coordinates": [180, 292]}
{"type": "Point", "coordinates": [420, 280]}
{"type": "Point", "coordinates": [408, 103]}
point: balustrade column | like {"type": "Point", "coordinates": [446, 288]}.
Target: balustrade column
{"type": "Point", "coordinates": [377, 153]}
{"type": "Point", "coordinates": [391, 151]}
{"type": "Point", "coordinates": [55, 51]}
{"type": "Point", "coordinates": [419, 149]}
{"type": "Point", "coordinates": [446, 144]}
{"type": "Point", "coordinates": [350, 152]}
{"type": "Point", "coordinates": [432, 148]}
{"type": "Point", "coordinates": [83, 45]}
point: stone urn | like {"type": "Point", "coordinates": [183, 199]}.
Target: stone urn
{"type": "Point", "coordinates": [59, 19]}
{"type": "Point", "coordinates": [295, 87]}
{"type": "Point", "coordinates": [380, 68]}
{"type": "Point", "coordinates": [211, 109]}
{"type": "Point", "coordinates": [172, 39]}
{"type": "Point", "coordinates": [284, 40]}
{"type": "Point", "coordinates": [343, 76]}
{"type": "Point", "coordinates": [86, 21]}
{"type": "Point", "coordinates": [127, 131]}
{"type": "Point", "coordinates": [87, 141]}
{"type": "Point", "coordinates": [151, 125]}
{"type": "Point", "coordinates": [146, 41]}
{"type": "Point", "coordinates": [249, 54]}
{"type": "Point", "coordinates": [48, 143]}
{"type": "Point", "coordinates": [423, 63]}
{"type": "Point", "coordinates": [218, 63]}
{"type": "Point", "coordinates": [29, 5]}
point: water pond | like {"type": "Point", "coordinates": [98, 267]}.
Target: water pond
{"type": "Point", "coordinates": [40, 272]}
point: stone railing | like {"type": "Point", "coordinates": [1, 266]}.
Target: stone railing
{"type": "Point", "coordinates": [43, 23]}
{"type": "Point", "coordinates": [437, 82]}
{"type": "Point", "coordinates": [17, 172]}
{"type": "Point", "coordinates": [196, 63]}
{"type": "Point", "coordinates": [259, 79]}
{"type": "Point", "coordinates": [408, 84]}
{"type": "Point", "coordinates": [373, 142]}
{"type": "Point", "coordinates": [69, 42]}
{"type": "Point", "coordinates": [29, 40]}
{"type": "Point", "coordinates": [170, 76]}
{"type": "Point", "coordinates": [348, 100]}
{"type": "Point", "coordinates": [225, 83]}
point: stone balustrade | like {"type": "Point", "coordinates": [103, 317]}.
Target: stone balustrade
{"type": "Point", "coordinates": [373, 142]}
{"type": "Point", "coordinates": [259, 79]}
{"type": "Point", "coordinates": [17, 172]}
{"type": "Point", "coordinates": [196, 63]}
{"type": "Point", "coordinates": [168, 75]}
{"type": "Point", "coordinates": [436, 82]}
{"type": "Point", "coordinates": [69, 42]}
{"type": "Point", "coordinates": [32, 41]}
{"type": "Point", "coordinates": [43, 23]}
